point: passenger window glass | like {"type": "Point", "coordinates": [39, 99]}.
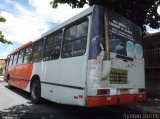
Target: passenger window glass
{"type": "Point", "coordinates": [53, 46]}
{"type": "Point", "coordinates": [79, 47]}
{"type": "Point", "coordinates": [53, 39]}
{"type": "Point", "coordinates": [67, 49]}
{"type": "Point", "coordinates": [20, 56]}
{"type": "Point", "coordinates": [15, 58]}
{"type": "Point", "coordinates": [70, 33]}
{"type": "Point", "coordinates": [8, 60]}
{"type": "Point", "coordinates": [82, 29]}
{"type": "Point", "coordinates": [38, 46]}
{"type": "Point", "coordinates": [76, 46]}
{"type": "Point", "coordinates": [37, 51]}
{"type": "Point", "coordinates": [27, 55]}
{"type": "Point", "coordinates": [11, 60]}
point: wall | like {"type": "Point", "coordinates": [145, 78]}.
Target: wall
{"type": "Point", "coordinates": [2, 66]}
{"type": "Point", "coordinates": [152, 64]}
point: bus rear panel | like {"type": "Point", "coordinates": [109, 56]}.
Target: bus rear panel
{"type": "Point", "coordinates": [116, 63]}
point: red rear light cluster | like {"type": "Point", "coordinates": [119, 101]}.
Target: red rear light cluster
{"type": "Point", "coordinates": [103, 91]}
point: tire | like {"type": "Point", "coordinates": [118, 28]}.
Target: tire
{"type": "Point", "coordinates": [8, 80]}
{"type": "Point", "coordinates": [36, 92]}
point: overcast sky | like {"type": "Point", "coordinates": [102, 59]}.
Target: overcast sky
{"type": "Point", "coordinates": [28, 19]}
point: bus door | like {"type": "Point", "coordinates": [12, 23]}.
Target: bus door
{"type": "Point", "coordinates": [51, 65]}
{"type": "Point", "coordinates": [73, 65]}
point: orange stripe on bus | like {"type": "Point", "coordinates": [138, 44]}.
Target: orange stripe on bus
{"type": "Point", "coordinates": [21, 75]}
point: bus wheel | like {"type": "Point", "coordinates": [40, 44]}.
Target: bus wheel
{"type": "Point", "coordinates": [36, 92]}
{"type": "Point", "coordinates": [8, 82]}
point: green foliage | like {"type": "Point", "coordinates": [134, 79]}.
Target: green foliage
{"type": "Point", "coordinates": [1, 71]}
{"type": "Point", "coordinates": [72, 3]}
{"type": "Point", "coordinates": [141, 12]}
{"type": "Point", "coordinates": [2, 19]}
{"type": "Point", "coordinates": [4, 40]}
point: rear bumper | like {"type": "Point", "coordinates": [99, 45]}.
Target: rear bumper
{"type": "Point", "coordinates": [101, 101]}
{"type": "Point", "coordinates": [93, 101]}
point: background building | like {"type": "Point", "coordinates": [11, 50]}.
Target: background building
{"type": "Point", "coordinates": [2, 66]}
{"type": "Point", "coordinates": [152, 64]}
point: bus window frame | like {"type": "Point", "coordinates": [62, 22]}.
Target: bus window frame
{"type": "Point", "coordinates": [15, 53]}
{"type": "Point", "coordinates": [8, 60]}
{"type": "Point", "coordinates": [60, 31]}
{"type": "Point", "coordinates": [42, 50]}
{"type": "Point", "coordinates": [11, 60]}
{"type": "Point", "coordinates": [21, 56]}
{"type": "Point", "coordinates": [76, 23]}
{"type": "Point", "coordinates": [31, 45]}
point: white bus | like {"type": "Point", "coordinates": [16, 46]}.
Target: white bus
{"type": "Point", "coordinates": [93, 59]}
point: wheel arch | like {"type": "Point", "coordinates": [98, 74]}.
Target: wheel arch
{"type": "Point", "coordinates": [34, 77]}
{"type": "Point", "coordinates": [8, 77]}
{"type": "Point", "coordinates": [35, 92]}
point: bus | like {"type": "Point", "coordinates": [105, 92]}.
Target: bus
{"type": "Point", "coordinates": [93, 59]}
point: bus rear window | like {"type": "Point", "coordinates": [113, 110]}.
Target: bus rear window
{"type": "Point", "coordinates": [125, 37]}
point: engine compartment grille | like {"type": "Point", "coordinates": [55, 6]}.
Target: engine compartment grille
{"type": "Point", "coordinates": [118, 76]}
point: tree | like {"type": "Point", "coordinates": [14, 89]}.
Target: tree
{"type": "Point", "coordinates": [140, 12]}
{"type": "Point", "coordinates": [2, 19]}
{"type": "Point", "coordinates": [1, 71]}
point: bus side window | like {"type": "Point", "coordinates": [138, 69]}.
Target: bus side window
{"type": "Point", "coordinates": [75, 40]}
{"type": "Point", "coordinates": [53, 46]}
{"type": "Point", "coordinates": [37, 51]}
{"type": "Point", "coordinates": [11, 60]}
{"type": "Point", "coordinates": [15, 58]}
{"type": "Point", "coordinates": [8, 60]}
{"type": "Point", "coordinates": [20, 56]}
{"type": "Point", "coordinates": [27, 55]}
